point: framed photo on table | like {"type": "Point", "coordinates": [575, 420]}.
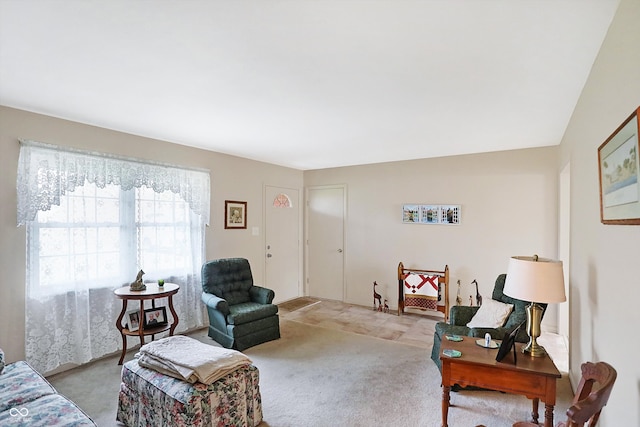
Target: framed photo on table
{"type": "Point", "coordinates": [155, 317]}
{"type": "Point", "coordinates": [133, 320]}
{"type": "Point", "coordinates": [618, 170]}
{"type": "Point", "coordinates": [508, 343]}
{"type": "Point", "coordinates": [235, 214]}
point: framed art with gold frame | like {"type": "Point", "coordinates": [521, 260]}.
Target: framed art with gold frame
{"type": "Point", "coordinates": [618, 171]}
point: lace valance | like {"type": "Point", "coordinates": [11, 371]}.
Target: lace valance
{"type": "Point", "coordinates": [46, 172]}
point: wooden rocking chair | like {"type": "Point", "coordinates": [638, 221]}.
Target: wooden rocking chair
{"type": "Point", "coordinates": [587, 404]}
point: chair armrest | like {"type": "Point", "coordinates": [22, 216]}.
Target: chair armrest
{"type": "Point", "coordinates": [261, 295]}
{"type": "Point", "coordinates": [215, 302]}
{"type": "Point", "coordinates": [461, 314]}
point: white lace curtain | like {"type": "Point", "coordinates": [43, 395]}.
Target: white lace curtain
{"type": "Point", "coordinates": [46, 172]}
{"type": "Point", "coordinates": [71, 311]}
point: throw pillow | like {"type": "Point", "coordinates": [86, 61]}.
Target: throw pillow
{"type": "Point", "coordinates": [491, 314]}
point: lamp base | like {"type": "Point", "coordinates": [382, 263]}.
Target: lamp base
{"type": "Point", "coordinates": [534, 317]}
{"type": "Point", "coordinates": [533, 349]}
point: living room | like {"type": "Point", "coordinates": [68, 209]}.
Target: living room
{"type": "Point", "coordinates": [510, 200]}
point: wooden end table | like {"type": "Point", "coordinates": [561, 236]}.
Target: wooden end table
{"type": "Point", "coordinates": [533, 377]}
{"type": "Point", "coordinates": [152, 293]}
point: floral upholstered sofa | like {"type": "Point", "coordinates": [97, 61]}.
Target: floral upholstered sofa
{"type": "Point", "coordinates": [27, 399]}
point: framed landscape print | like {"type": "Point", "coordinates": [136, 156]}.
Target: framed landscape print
{"type": "Point", "coordinates": [618, 172]}
{"type": "Point", "coordinates": [235, 214]}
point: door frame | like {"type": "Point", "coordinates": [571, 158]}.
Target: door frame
{"type": "Point", "coordinates": [345, 216]}
{"type": "Point", "coordinates": [564, 254]}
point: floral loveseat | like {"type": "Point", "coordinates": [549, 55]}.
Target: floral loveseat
{"type": "Point", "coordinates": [27, 399]}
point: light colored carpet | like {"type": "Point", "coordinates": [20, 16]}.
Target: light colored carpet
{"type": "Point", "coordinates": [315, 376]}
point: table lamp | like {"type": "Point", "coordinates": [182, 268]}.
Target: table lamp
{"type": "Point", "coordinates": [537, 280]}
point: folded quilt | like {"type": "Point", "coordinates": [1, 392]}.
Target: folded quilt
{"type": "Point", "coordinates": [190, 360]}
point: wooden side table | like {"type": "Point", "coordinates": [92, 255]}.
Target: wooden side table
{"type": "Point", "coordinates": [533, 377]}
{"type": "Point", "coordinates": [152, 293]}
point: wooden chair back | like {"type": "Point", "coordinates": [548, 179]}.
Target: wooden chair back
{"type": "Point", "coordinates": [588, 403]}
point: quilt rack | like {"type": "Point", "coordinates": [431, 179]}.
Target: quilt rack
{"type": "Point", "coordinates": [423, 289]}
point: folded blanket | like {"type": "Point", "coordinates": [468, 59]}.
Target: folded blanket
{"type": "Point", "coordinates": [190, 360]}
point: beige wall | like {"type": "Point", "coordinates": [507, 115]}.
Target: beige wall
{"type": "Point", "coordinates": [605, 267]}
{"type": "Point", "coordinates": [509, 207]}
{"type": "Point", "coordinates": [503, 195]}
{"type": "Point", "coordinates": [232, 178]}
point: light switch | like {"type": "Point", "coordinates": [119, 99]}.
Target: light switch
{"type": "Point", "coordinates": [255, 231]}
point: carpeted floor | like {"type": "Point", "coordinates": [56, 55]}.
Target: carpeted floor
{"type": "Point", "coordinates": [316, 376]}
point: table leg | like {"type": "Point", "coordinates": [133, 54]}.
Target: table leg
{"type": "Point", "coordinates": [548, 415]}
{"type": "Point", "coordinates": [445, 405]}
{"type": "Point", "coordinates": [534, 409]}
{"type": "Point", "coordinates": [174, 314]}
{"type": "Point", "coordinates": [141, 330]}
{"type": "Point", "coordinates": [120, 328]}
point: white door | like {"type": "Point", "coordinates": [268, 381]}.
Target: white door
{"type": "Point", "coordinates": [282, 242]}
{"type": "Point", "coordinates": [326, 210]}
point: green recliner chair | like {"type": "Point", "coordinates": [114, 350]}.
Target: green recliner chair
{"type": "Point", "coordinates": [241, 314]}
{"type": "Point", "coordinates": [461, 315]}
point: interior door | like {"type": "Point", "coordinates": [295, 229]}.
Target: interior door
{"type": "Point", "coordinates": [282, 242]}
{"type": "Point", "coordinates": [326, 209]}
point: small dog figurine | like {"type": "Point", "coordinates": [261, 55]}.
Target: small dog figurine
{"type": "Point", "coordinates": [138, 285]}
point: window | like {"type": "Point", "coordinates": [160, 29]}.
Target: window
{"type": "Point", "coordinates": [163, 222]}
{"type": "Point", "coordinates": [93, 220]}
{"type": "Point", "coordinates": [77, 243]}
{"type": "Point", "coordinates": [101, 237]}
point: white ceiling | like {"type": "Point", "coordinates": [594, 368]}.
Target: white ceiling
{"type": "Point", "coordinates": [308, 84]}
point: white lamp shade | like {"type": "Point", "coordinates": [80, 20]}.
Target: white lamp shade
{"type": "Point", "coordinates": [535, 279]}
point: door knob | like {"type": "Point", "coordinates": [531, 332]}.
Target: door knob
{"type": "Point", "coordinates": [339, 251]}
{"type": "Point", "coordinates": [269, 255]}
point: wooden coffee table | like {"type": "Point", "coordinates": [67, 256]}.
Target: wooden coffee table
{"type": "Point", "coordinates": [533, 377]}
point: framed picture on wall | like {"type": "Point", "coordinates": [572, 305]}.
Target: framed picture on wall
{"type": "Point", "coordinates": [618, 170]}
{"type": "Point", "coordinates": [430, 214]}
{"type": "Point", "coordinates": [235, 214]}
{"type": "Point", "coordinates": [410, 214]}
{"type": "Point", "coordinates": [450, 214]}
